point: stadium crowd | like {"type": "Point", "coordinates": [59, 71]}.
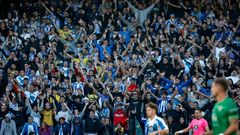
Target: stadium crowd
{"type": "Point", "coordinates": [74, 67]}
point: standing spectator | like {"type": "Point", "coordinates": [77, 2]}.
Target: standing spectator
{"type": "Point", "coordinates": [135, 104]}
{"type": "Point", "coordinates": [118, 55]}
{"type": "Point", "coordinates": [8, 126]}
{"type": "Point", "coordinates": [120, 116]}
{"type": "Point", "coordinates": [65, 112]}
{"type": "Point", "coordinates": [62, 127]}
{"type": "Point", "coordinates": [119, 130]}
{"type": "Point", "coordinates": [182, 125]}
{"type": "Point", "coordinates": [77, 121]}
{"type": "Point", "coordinates": [105, 128]}
{"type": "Point", "coordinates": [141, 13]}
{"type": "Point", "coordinates": [171, 125]}
{"type": "Point", "coordinates": [91, 124]}
{"type": "Point", "coordinates": [48, 114]}
{"type": "Point", "coordinates": [105, 113]}
{"type": "Point", "coordinates": [162, 102]}
{"type": "Point", "coordinates": [30, 127]}
{"type": "Point", "coordinates": [34, 112]}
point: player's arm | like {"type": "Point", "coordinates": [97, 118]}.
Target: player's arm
{"type": "Point", "coordinates": [233, 117]}
{"type": "Point", "coordinates": [207, 129]}
{"type": "Point", "coordinates": [210, 132]}
{"type": "Point", "coordinates": [161, 132]}
{"type": "Point", "coordinates": [206, 126]}
{"type": "Point", "coordinates": [233, 128]}
{"type": "Point", "coordinates": [185, 130]}
{"type": "Point", "coordinates": [164, 127]}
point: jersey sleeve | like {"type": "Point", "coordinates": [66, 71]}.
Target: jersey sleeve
{"type": "Point", "coordinates": [205, 123]}
{"type": "Point", "coordinates": [191, 125]}
{"type": "Point", "coordinates": [232, 110]}
{"type": "Point", "coordinates": [162, 124]}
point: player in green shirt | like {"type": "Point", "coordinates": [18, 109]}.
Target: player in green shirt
{"type": "Point", "coordinates": [225, 112]}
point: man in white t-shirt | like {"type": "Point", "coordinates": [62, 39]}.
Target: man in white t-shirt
{"type": "Point", "coordinates": [31, 94]}
{"type": "Point", "coordinates": [220, 48]}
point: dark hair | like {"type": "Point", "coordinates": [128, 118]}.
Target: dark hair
{"type": "Point", "coordinates": [152, 106]}
{"type": "Point", "coordinates": [164, 92]}
{"type": "Point", "coordinates": [198, 109]}
{"type": "Point", "coordinates": [62, 118]}
{"type": "Point", "coordinates": [31, 133]}
{"type": "Point", "coordinates": [223, 82]}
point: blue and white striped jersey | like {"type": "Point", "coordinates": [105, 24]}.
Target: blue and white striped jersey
{"type": "Point", "coordinates": [77, 85]}
{"type": "Point", "coordinates": [162, 104]}
{"type": "Point", "coordinates": [155, 124]}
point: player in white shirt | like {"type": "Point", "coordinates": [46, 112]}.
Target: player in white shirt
{"type": "Point", "coordinates": [154, 124]}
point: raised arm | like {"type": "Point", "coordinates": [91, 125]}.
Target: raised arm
{"type": "Point", "coordinates": [42, 104]}
{"type": "Point", "coordinates": [110, 94]}
{"type": "Point", "coordinates": [172, 5]}
{"type": "Point", "coordinates": [149, 9]}
{"type": "Point", "coordinates": [29, 106]}
{"type": "Point", "coordinates": [143, 67]}
{"type": "Point", "coordinates": [55, 25]}
{"type": "Point", "coordinates": [185, 130]}
{"type": "Point", "coordinates": [44, 5]}
{"type": "Point", "coordinates": [144, 91]}
{"type": "Point", "coordinates": [83, 111]}
{"type": "Point", "coordinates": [131, 6]}
{"type": "Point", "coordinates": [152, 94]}
{"type": "Point", "coordinates": [167, 81]}
{"type": "Point", "coordinates": [195, 44]}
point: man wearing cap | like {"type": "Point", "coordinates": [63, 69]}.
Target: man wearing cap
{"type": "Point", "coordinates": [8, 126]}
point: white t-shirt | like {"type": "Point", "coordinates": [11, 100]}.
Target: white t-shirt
{"type": "Point", "coordinates": [218, 51]}
{"type": "Point", "coordinates": [65, 114]}
{"type": "Point", "coordinates": [30, 128]}
{"type": "Point", "coordinates": [31, 96]}
{"type": "Point", "coordinates": [36, 118]}
{"type": "Point", "coordinates": [26, 35]}
{"type": "Point", "coordinates": [13, 106]}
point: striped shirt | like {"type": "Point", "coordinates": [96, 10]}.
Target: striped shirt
{"type": "Point", "coordinates": [154, 125]}
{"type": "Point", "coordinates": [78, 86]}
{"type": "Point", "coordinates": [65, 71]}
{"type": "Point", "coordinates": [162, 105]}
